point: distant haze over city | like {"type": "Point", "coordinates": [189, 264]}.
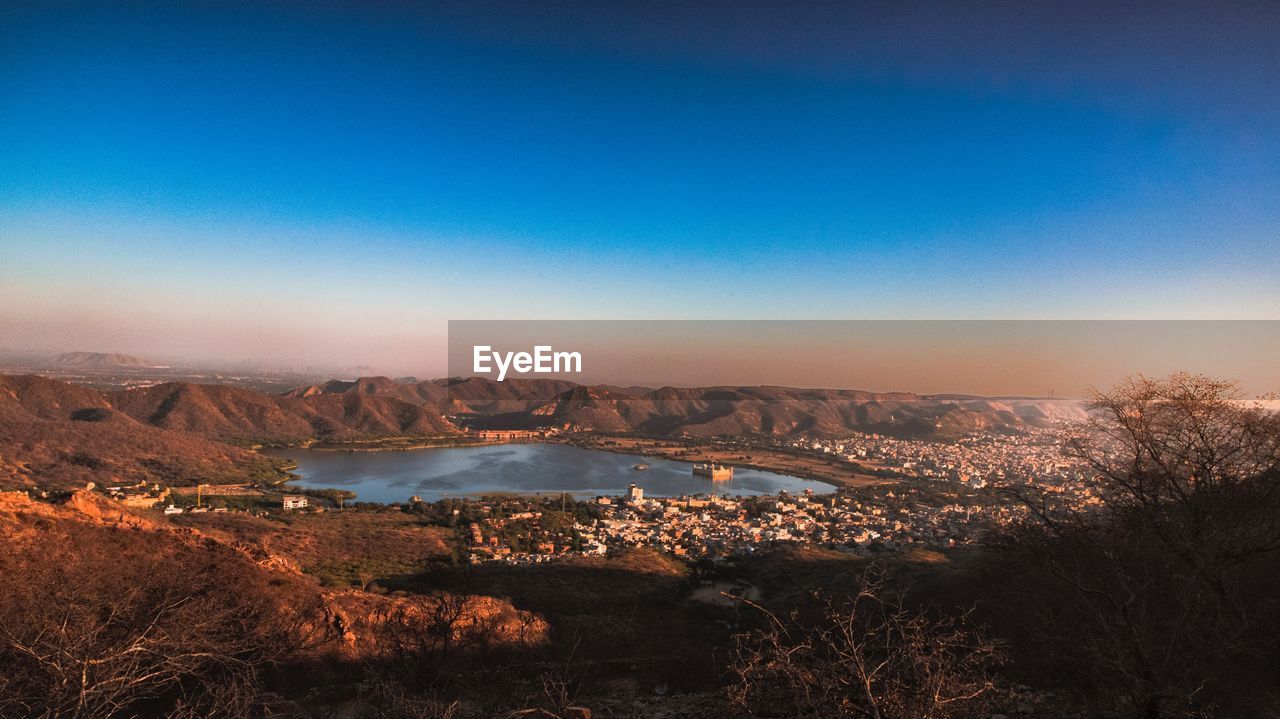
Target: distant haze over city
{"type": "Point", "coordinates": [1065, 359]}
{"type": "Point", "coordinates": [993, 358]}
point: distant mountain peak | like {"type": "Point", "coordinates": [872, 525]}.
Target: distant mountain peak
{"type": "Point", "coordinates": [100, 360]}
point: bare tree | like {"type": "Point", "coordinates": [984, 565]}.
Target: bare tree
{"type": "Point", "coordinates": [104, 623]}
{"type": "Point", "coordinates": [1151, 599]}
{"type": "Point", "coordinates": [868, 656]}
{"type": "Point", "coordinates": [1192, 461]}
{"type": "Point", "coordinates": [429, 627]}
{"type": "Point", "coordinates": [391, 697]}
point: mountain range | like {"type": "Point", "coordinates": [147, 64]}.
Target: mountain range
{"type": "Point", "coordinates": [706, 411]}
{"type": "Point", "coordinates": [181, 433]}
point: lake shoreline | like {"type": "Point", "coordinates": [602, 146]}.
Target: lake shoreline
{"type": "Point", "coordinates": [526, 468]}
{"type": "Point", "coordinates": [825, 472]}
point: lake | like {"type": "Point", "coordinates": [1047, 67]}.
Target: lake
{"type": "Point", "coordinates": [518, 469]}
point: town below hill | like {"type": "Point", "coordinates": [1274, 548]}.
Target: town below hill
{"type": "Point", "coordinates": [67, 434]}
{"type": "Point", "coordinates": [1001, 546]}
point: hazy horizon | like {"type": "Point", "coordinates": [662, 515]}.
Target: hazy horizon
{"type": "Point", "coordinates": [1065, 359]}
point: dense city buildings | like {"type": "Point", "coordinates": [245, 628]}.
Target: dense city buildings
{"type": "Point", "coordinates": [946, 494]}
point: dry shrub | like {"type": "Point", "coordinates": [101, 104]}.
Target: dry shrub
{"type": "Point", "coordinates": [106, 622]}
{"type": "Point", "coordinates": [867, 656]}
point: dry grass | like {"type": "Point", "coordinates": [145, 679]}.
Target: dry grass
{"type": "Point", "coordinates": [341, 549]}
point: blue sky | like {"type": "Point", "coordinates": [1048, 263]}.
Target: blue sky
{"type": "Point", "coordinates": [328, 182]}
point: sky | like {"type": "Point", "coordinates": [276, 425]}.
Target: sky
{"type": "Point", "coordinates": [327, 184]}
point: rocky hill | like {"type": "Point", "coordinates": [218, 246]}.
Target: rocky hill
{"type": "Point", "coordinates": [234, 413]}
{"type": "Point", "coordinates": [54, 434]}
{"type": "Point", "coordinates": [99, 361]}
{"type": "Point", "coordinates": [57, 434]}
{"type": "Point", "coordinates": [94, 584]}
{"type": "Point", "coordinates": [471, 395]}
{"type": "Point", "coordinates": [702, 411]}
{"type": "Point", "coordinates": [782, 411]}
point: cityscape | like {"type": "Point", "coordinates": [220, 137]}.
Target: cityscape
{"type": "Point", "coordinates": [515, 359]}
{"type": "Point", "coordinates": [890, 518]}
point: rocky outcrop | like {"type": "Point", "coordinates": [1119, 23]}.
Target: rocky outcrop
{"type": "Point", "coordinates": [368, 625]}
{"type": "Point", "coordinates": [355, 625]}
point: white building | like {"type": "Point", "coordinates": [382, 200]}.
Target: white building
{"type": "Point", "coordinates": [295, 502]}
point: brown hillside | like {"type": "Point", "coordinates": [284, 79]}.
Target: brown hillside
{"type": "Point", "coordinates": [211, 410]}
{"type": "Point", "coordinates": [233, 413]}
{"type": "Point", "coordinates": [57, 435]}
{"type": "Point", "coordinates": [782, 411]}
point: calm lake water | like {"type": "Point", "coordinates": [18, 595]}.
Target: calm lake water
{"type": "Point", "coordinates": [518, 469]}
